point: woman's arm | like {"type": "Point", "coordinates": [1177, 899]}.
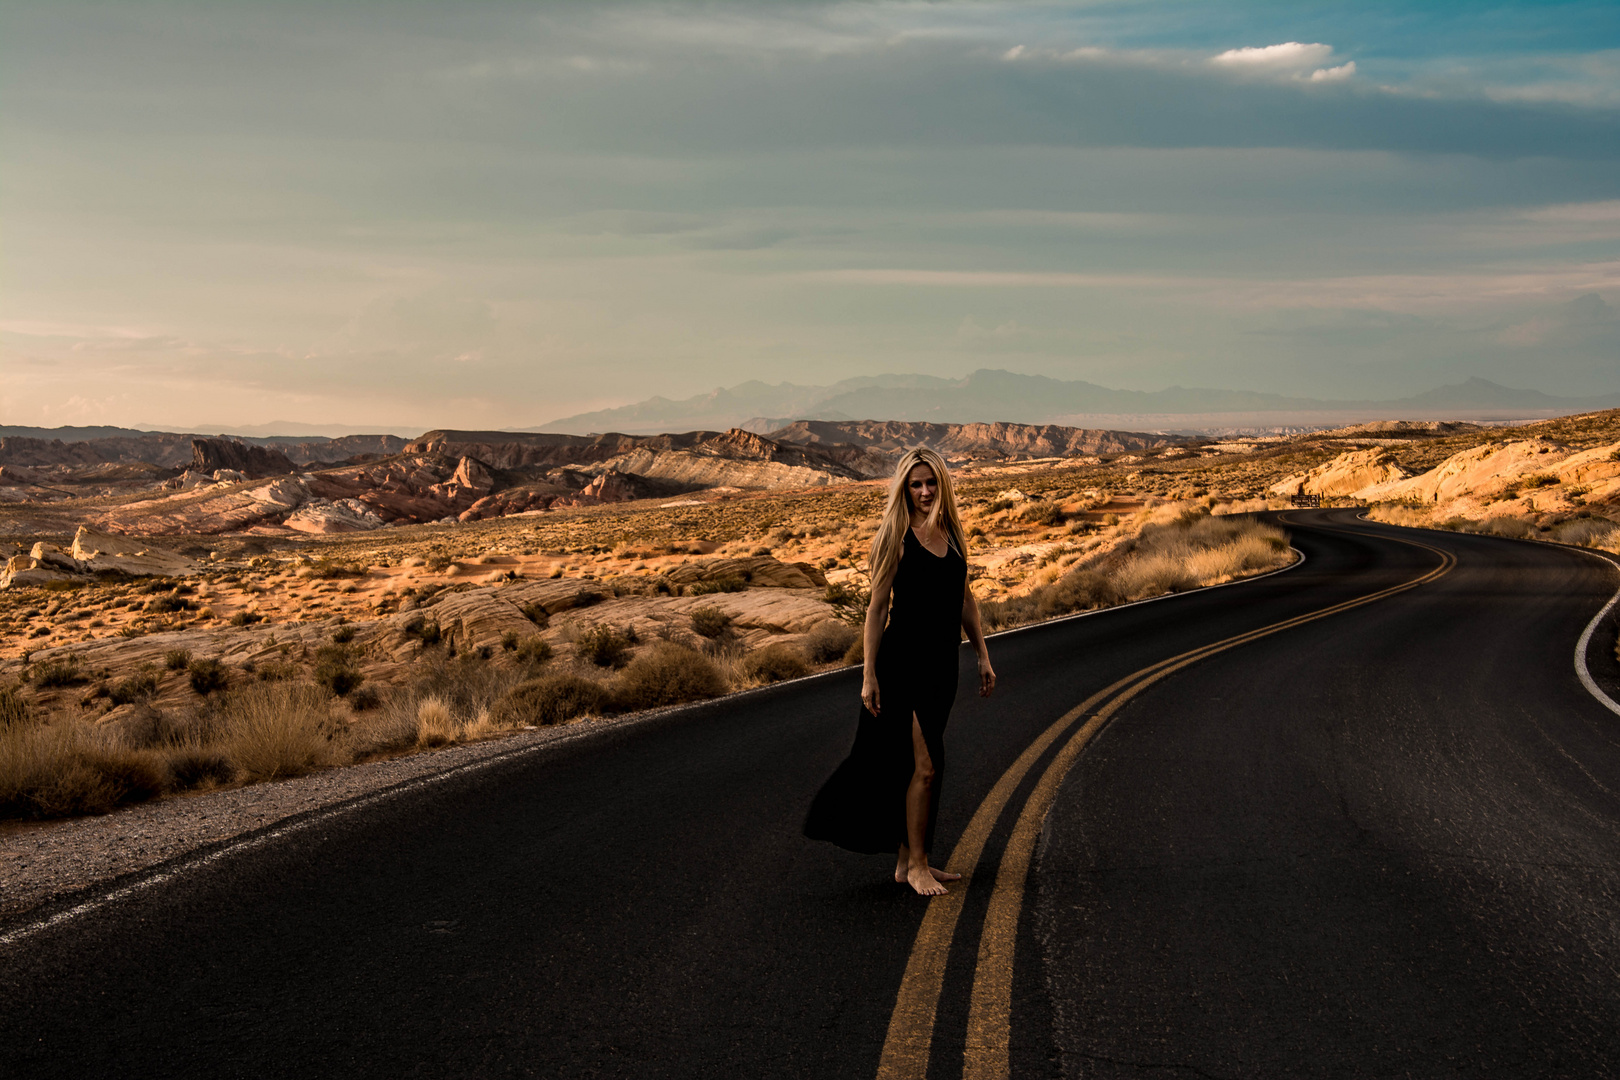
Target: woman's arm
{"type": "Point", "coordinates": [975, 634]}
{"type": "Point", "coordinates": [877, 616]}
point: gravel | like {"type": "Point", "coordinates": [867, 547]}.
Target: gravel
{"type": "Point", "coordinates": [40, 861]}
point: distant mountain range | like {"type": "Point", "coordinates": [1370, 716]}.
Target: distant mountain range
{"type": "Point", "coordinates": [991, 395]}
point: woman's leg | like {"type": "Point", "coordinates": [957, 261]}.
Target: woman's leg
{"type": "Point", "coordinates": [912, 866]}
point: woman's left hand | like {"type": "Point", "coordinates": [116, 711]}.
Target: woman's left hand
{"type": "Point", "coordinates": [987, 677]}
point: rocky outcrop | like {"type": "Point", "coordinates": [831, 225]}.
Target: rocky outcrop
{"type": "Point", "coordinates": [996, 440]}
{"type": "Point", "coordinates": [326, 516]}
{"type": "Point", "coordinates": [93, 553]}
{"type": "Point", "coordinates": [759, 571]}
{"type": "Point", "coordinates": [207, 455]}
{"type": "Point", "coordinates": [1360, 473]}
{"type": "Point", "coordinates": [694, 459]}
{"type": "Point", "coordinates": [1481, 471]}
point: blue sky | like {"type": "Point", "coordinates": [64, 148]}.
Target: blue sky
{"type": "Point", "coordinates": [413, 215]}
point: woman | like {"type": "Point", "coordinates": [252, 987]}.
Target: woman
{"type": "Point", "coordinates": [885, 796]}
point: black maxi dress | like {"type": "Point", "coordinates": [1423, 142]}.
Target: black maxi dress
{"type": "Point", "coordinates": [862, 806]}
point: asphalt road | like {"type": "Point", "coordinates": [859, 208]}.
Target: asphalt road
{"type": "Point", "coordinates": [1385, 842]}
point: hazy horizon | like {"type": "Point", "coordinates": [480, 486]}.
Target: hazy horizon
{"type": "Point", "coordinates": [493, 215]}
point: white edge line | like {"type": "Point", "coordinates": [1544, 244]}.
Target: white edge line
{"type": "Point", "coordinates": [318, 816]}
{"type": "Point", "coordinates": [1582, 672]}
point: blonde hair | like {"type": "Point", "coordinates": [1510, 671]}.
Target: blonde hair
{"type": "Point", "coordinates": [890, 539]}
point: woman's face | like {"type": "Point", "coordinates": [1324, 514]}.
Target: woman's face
{"type": "Point", "coordinates": [923, 488]}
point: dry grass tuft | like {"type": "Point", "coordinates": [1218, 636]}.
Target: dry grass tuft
{"type": "Point", "coordinates": [775, 663]}
{"type": "Point", "coordinates": [272, 730]}
{"type": "Point", "coordinates": [435, 726]}
{"type": "Point", "coordinates": [551, 699]}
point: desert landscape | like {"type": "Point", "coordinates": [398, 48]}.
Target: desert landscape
{"type": "Point", "coordinates": [172, 624]}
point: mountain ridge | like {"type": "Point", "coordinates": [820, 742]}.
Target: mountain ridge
{"type": "Point", "coordinates": [992, 395]}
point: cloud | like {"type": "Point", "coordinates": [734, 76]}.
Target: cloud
{"type": "Point", "coordinates": [1334, 74]}
{"type": "Point", "coordinates": [1289, 56]}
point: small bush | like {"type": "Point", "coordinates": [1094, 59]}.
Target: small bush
{"type": "Point", "coordinates": [61, 671]}
{"type": "Point", "coordinates": [551, 699]}
{"type": "Point", "coordinates": [1042, 513]}
{"type": "Point", "coordinates": [509, 640]}
{"type": "Point", "coordinates": [208, 676]}
{"type": "Point", "coordinates": [364, 698]}
{"type": "Point", "coordinates": [536, 651]}
{"type": "Point", "coordinates": [138, 687]}
{"type": "Point", "coordinates": [328, 569]}
{"type": "Point", "coordinates": [829, 641]}
{"type": "Point", "coordinates": [177, 659]}
{"type": "Point", "coordinates": [535, 614]}
{"type": "Point", "coordinates": [710, 622]}
{"type": "Point", "coordinates": [335, 669]}
{"type": "Point", "coordinates": [603, 646]}
{"type": "Point", "coordinates": [726, 583]}
{"type": "Point", "coordinates": [245, 618]}
{"type": "Point", "coordinates": [424, 630]}
{"type": "Point", "coordinates": [1538, 480]}
{"type": "Point", "coordinates": [774, 663]}
{"type": "Point", "coordinates": [164, 605]}
{"type": "Point", "coordinates": [849, 601]}
{"type": "Point", "coordinates": [668, 674]}
{"type": "Point", "coordinates": [343, 634]}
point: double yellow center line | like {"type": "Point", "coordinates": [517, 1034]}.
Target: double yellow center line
{"type": "Point", "coordinates": [911, 1027]}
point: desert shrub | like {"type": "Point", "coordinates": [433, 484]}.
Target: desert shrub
{"type": "Point", "coordinates": [245, 618]}
{"type": "Point", "coordinates": [426, 631]}
{"type": "Point", "coordinates": [1041, 512]}
{"type": "Point", "coordinates": [603, 646]}
{"type": "Point", "coordinates": [1538, 480]}
{"type": "Point", "coordinates": [710, 622]}
{"type": "Point", "coordinates": [196, 766]}
{"type": "Point", "coordinates": [726, 583]}
{"type": "Point", "coordinates": [137, 687]}
{"type": "Point", "coordinates": [13, 709]}
{"type": "Point", "coordinates": [273, 730]}
{"type": "Point", "coordinates": [335, 669]}
{"type": "Point", "coordinates": [849, 601]}
{"type": "Point", "coordinates": [856, 655]}
{"type": "Point", "coordinates": [509, 640]}
{"type": "Point", "coordinates": [535, 614]}
{"type": "Point", "coordinates": [208, 676]}
{"type": "Point", "coordinates": [328, 569]}
{"type": "Point", "coordinates": [273, 671]}
{"type": "Point", "coordinates": [177, 659]}
{"type": "Point", "coordinates": [551, 699]}
{"type": "Point", "coordinates": [668, 674]}
{"type": "Point", "coordinates": [1515, 527]}
{"type": "Point", "coordinates": [829, 641]}
{"type": "Point", "coordinates": [1586, 532]}
{"type": "Point", "coordinates": [58, 671]}
{"type": "Point", "coordinates": [343, 634]}
{"type": "Point", "coordinates": [68, 768]}
{"type": "Point", "coordinates": [364, 698]}
{"type": "Point", "coordinates": [775, 663]}
{"type": "Point", "coordinates": [435, 724]}
{"type": "Point", "coordinates": [534, 650]}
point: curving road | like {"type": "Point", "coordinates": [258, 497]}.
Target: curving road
{"type": "Point", "coordinates": [1379, 838]}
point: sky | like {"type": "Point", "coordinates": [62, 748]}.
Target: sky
{"type": "Point", "coordinates": [409, 215]}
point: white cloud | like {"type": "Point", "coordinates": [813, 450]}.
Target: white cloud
{"type": "Point", "coordinates": [1289, 56]}
{"type": "Point", "coordinates": [1334, 74]}
{"type": "Point", "coordinates": [1013, 53]}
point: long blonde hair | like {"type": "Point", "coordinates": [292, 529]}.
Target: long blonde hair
{"type": "Point", "coordinates": [890, 539]}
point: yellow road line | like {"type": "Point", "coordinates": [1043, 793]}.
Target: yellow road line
{"type": "Point", "coordinates": [910, 1035]}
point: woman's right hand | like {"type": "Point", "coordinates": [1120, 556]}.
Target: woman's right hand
{"type": "Point", "coordinates": [869, 694]}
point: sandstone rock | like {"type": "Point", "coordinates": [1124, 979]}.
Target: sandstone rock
{"type": "Point", "coordinates": [324, 516]}
{"type": "Point", "coordinates": [1357, 473]}
{"type": "Point", "coordinates": [1480, 471]}
{"type": "Point", "coordinates": [760, 571]}
{"type": "Point", "coordinates": [286, 493]}
{"type": "Point", "coordinates": [97, 551]}
{"type": "Point", "coordinates": [553, 596]}
{"type": "Point", "coordinates": [208, 455]}
{"type": "Point", "coordinates": [229, 476]}
{"type": "Point", "coordinates": [477, 618]}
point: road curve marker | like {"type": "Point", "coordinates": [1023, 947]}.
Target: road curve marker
{"type": "Point", "coordinates": [908, 1044]}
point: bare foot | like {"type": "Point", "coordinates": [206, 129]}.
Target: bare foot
{"type": "Point", "coordinates": [903, 864]}
{"type": "Point", "coordinates": [922, 879]}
